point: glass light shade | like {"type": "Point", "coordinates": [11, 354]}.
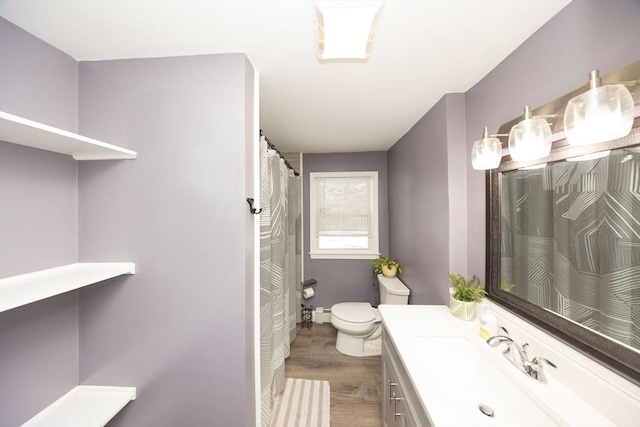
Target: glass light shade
{"type": "Point", "coordinates": [598, 115]}
{"type": "Point", "coordinates": [486, 153]}
{"type": "Point", "coordinates": [530, 139]}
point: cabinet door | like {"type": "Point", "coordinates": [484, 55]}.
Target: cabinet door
{"type": "Point", "coordinates": [386, 392]}
{"type": "Point", "coordinates": [393, 404]}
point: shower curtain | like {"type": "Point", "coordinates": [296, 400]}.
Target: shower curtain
{"type": "Point", "coordinates": [280, 275]}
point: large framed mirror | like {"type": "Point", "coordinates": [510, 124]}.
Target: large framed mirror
{"type": "Point", "coordinates": [563, 241]}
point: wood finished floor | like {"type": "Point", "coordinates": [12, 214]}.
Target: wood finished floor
{"type": "Point", "coordinates": [354, 381]}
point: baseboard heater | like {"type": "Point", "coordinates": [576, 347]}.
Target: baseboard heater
{"type": "Point", "coordinates": [321, 315]}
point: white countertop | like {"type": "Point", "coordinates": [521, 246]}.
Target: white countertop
{"type": "Point", "coordinates": [435, 348]}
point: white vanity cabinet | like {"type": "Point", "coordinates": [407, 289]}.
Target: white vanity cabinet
{"type": "Point", "coordinates": [401, 406]}
{"type": "Point", "coordinates": [438, 372]}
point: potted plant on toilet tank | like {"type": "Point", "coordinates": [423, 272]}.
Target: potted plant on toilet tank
{"type": "Point", "coordinates": [465, 293]}
{"type": "Point", "coordinates": [386, 266]}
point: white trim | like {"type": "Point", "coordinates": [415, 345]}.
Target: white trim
{"type": "Point", "coordinates": [301, 171]}
{"type": "Point", "coordinates": [334, 255]}
{"type": "Point", "coordinates": [257, 397]}
{"type": "Point", "coordinates": [374, 249]}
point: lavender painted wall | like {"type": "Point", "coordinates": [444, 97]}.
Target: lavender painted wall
{"type": "Point", "coordinates": [457, 176]}
{"type": "Point", "coordinates": [419, 221]}
{"type": "Point", "coordinates": [38, 209]}
{"type": "Point", "coordinates": [37, 81]}
{"type": "Point", "coordinates": [341, 280]}
{"type": "Point", "coordinates": [178, 329]}
{"type": "Point", "coordinates": [38, 226]}
{"type": "Point", "coordinates": [584, 36]}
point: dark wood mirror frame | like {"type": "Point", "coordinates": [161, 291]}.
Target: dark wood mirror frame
{"type": "Point", "coordinates": [606, 351]}
{"type": "Point", "coordinates": [615, 356]}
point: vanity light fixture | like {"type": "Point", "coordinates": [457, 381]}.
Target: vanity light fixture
{"type": "Point", "coordinates": [534, 167]}
{"type": "Point", "coordinates": [487, 152]}
{"type": "Point", "coordinates": [600, 114]}
{"type": "Point", "coordinates": [592, 156]}
{"type": "Point", "coordinates": [530, 139]}
{"type": "Point", "coordinates": [346, 28]}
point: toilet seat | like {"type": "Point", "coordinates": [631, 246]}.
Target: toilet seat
{"type": "Point", "coordinates": [355, 318]}
{"type": "Point", "coordinates": [354, 312]}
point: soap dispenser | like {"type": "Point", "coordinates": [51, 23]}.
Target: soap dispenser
{"type": "Point", "coordinates": [488, 324]}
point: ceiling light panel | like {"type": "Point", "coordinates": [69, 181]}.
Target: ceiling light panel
{"type": "Point", "coordinates": [346, 28]}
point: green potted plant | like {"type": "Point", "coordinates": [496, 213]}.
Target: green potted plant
{"type": "Point", "coordinates": [465, 293]}
{"type": "Point", "coordinates": [386, 266]}
{"type": "Point", "coordinates": [506, 285]}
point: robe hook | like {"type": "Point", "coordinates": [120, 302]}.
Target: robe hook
{"type": "Point", "coordinates": [252, 209]}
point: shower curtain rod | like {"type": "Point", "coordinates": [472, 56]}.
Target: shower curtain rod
{"type": "Point", "coordinates": [273, 147]}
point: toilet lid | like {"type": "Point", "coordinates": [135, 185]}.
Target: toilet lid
{"type": "Point", "coordinates": [356, 312]}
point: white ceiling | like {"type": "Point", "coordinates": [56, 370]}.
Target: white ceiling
{"type": "Point", "coordinates": [422, 50]}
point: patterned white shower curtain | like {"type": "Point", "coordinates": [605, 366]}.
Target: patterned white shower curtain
{"type": "Point", "coordinates": [278, 265]}
{"type": "Point", "coordinates": [294, 252]}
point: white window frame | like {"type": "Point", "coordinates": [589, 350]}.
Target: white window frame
{"type": "Point", "coordinates": [374, 248]}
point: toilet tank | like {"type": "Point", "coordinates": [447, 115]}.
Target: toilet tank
{"type": "Point", "coordinates": [392, 291]}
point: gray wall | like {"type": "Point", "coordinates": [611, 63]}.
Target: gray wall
{"type": "Point", "coordinates": [180, 328]}
{"type": "Point", "coordinates": [584, 36]}
{"type": "Point", "coordinates": [38, 226]}
{"type": "Point", "coordinates": [457, 176]}
{"type": "Point", "coordinates": [38, 81]}
{"type": "Point", "coordinates": [430, 167]}
{"type": "Point", "coordinates": [341, 280]}
{"type": "Point", "coordinates": [419, 225]}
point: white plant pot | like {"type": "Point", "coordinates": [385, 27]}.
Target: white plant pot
{"type": "Point", "coordinates": [389, 272]}
{"type": "Point", "coordinates": [462, 310]}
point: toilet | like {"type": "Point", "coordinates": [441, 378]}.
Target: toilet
{"type": "Point", "coordinates": [358, 324]}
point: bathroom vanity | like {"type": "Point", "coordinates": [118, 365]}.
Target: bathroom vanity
{"type": "Point", "coordinates": [437, 371]}
{"type": "Point", "coordinates": [400, 402]}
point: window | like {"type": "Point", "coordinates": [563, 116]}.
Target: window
{"type": "Point", "coordinates": [343, 210]}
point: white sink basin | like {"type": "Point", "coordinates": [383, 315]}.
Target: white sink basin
{"type": "Point", "coordinates": [453, 377]}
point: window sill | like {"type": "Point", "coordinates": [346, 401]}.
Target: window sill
{"type": "Point", "coordinates": [316, 255]}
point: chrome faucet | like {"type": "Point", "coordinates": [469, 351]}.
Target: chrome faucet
{"type": "Point", "coordinates": [533, 368]}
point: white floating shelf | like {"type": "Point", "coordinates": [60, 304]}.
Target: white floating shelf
{"type": "Point", "coordinates": [84, 406]}
{"type": "Point", "coordinates": [19, 130]}
{"type": "Point", "coordinates": [27, 288]}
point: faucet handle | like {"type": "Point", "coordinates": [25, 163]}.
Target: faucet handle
{"type": "Point", "coordinates": [524, 348]}
{"type": "Point", "coordinates": [498, 339]}
{"type": "Point", "coordinates": [536, 361]}
{"type": "Point", "coordinates": [536, 372]}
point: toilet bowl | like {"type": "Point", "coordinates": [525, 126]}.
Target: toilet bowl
{"type": "Point", "coordinates": [358, 323]}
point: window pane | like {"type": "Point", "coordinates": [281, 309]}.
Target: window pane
{"type": "Point", "coordinates": [343, 242]}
